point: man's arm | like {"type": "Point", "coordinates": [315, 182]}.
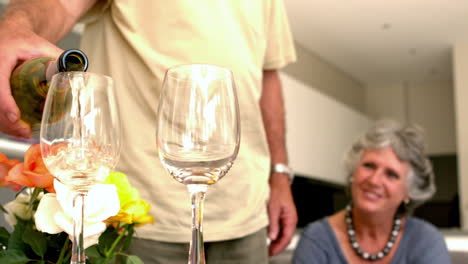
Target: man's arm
{"type": "Point", "coordinates": [27, 30]}
{"type": "Point", "coordinates": [281, 208]}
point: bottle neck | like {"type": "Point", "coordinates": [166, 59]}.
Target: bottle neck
{"type": "Point", "coordinates": [51, 69]}
{"type": "Point", "coordinates": [69, 60]}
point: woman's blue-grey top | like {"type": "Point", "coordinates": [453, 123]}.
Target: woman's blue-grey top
{"type": "Point", "coordinates": [421, 244]}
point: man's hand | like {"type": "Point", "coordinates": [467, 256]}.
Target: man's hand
{"type": "Point", "coordinates": [17, 44]}
{"type": "Point", "coordinates": [27, 30]}
{"type": "Point", "coordinates": [281, 212]}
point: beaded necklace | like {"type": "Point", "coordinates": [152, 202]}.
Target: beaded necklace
{"type": "Point", "coordinates": [355, 245]}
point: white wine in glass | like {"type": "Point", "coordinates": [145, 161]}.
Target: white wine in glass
{"type": "Point", "coordinates": [80, 138]}
{"type": "Point", "coordinates": [198, 134]}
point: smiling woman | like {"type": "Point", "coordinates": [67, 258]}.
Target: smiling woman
{"type": "Point", "coordinates": [389, 176]}
{"type": "Point", "coordinates": [400, 152]}
{"type": "Point", "coordinates": [380, 167]}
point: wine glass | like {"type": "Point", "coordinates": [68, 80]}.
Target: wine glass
{"type": "Point", "coordinates": [80, 138]}
{"type": "Point", "coordinates": [198, 134]}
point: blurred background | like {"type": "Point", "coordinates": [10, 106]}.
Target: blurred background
{"type": "Point", "coordinates": [359, 61]}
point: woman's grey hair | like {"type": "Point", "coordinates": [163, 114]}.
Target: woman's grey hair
{"type": "Point", "coordinates": [408, 144]}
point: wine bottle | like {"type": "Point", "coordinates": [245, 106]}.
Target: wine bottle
{"type": "Point", "coordinates": [29, 82]}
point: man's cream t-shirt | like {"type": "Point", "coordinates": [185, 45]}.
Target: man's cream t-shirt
{"type": "Point", "coordinates": [135, 42]}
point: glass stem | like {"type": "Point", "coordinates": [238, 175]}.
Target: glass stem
{"type": "Point", "coordinates": [78, 251]}
{"type": "Point", "coordinates": [197, 196]}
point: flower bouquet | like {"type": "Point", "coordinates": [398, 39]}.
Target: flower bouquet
{"type": "Point", "coordinates": [40, 216]}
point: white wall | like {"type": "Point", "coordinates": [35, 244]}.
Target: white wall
{"type": "Point", "coordinates": [461, 102]}
{"type": "Point", "coordinates": [319, 131]}
{"type": "Point", "coordinates": [386, 102]}
{"type": "Point", "coordinates": [429, 104]}
{"type": "Point", "coordinates": [327, 78]}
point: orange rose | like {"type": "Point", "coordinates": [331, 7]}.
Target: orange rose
{"type": "Point", "coordinates": [5, 165]}
{"type": "Point", "coordinates": [33, 172]}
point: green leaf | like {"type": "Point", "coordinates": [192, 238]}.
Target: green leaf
{"type": "Point", "coordinates": [128, 238]}
{"type": "Point", "coordinates": [56, 241]}
{"type": "Point", "coordinates": [4, 232]}
{"type": "Point", "coordinates": [111, 261]}
{"type": "Point", "coordinates": [13, 257]}
{"type": "Point", "coordinates": [93, 252]}
{"type": "Point", "coordinates": [37, 240]}
{"type": "Point", "coordinates": [106, 239]}
{"type": "Point", "coordinates": [64, 251]}
{"type": "Point", "coordinates": [16, 237]}
{"type": "Point", "coordinates": [4, 236]}
{"type": "Point", "coordinates": [133, 260]}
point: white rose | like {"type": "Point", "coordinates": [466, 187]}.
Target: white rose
{"type": "Point", "coordinates": [55, 211]}
{"type": "Point", "coordinates": [18, 208]}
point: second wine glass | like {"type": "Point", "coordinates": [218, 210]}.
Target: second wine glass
{"type": "Point", "coordinates": [80, 138]}
{"type": "Point", "coordinates": [198, 134]}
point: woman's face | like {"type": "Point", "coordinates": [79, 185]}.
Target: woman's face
{"type": "Point", "coordinates": [379, 181]}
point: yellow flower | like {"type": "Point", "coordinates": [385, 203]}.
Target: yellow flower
{"type": "Point", "coordinates": [133, 209]}
{"type": "Point", "coordinates": [125, 191]}
{"type": "Point", "coordinates": [134, 212]}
